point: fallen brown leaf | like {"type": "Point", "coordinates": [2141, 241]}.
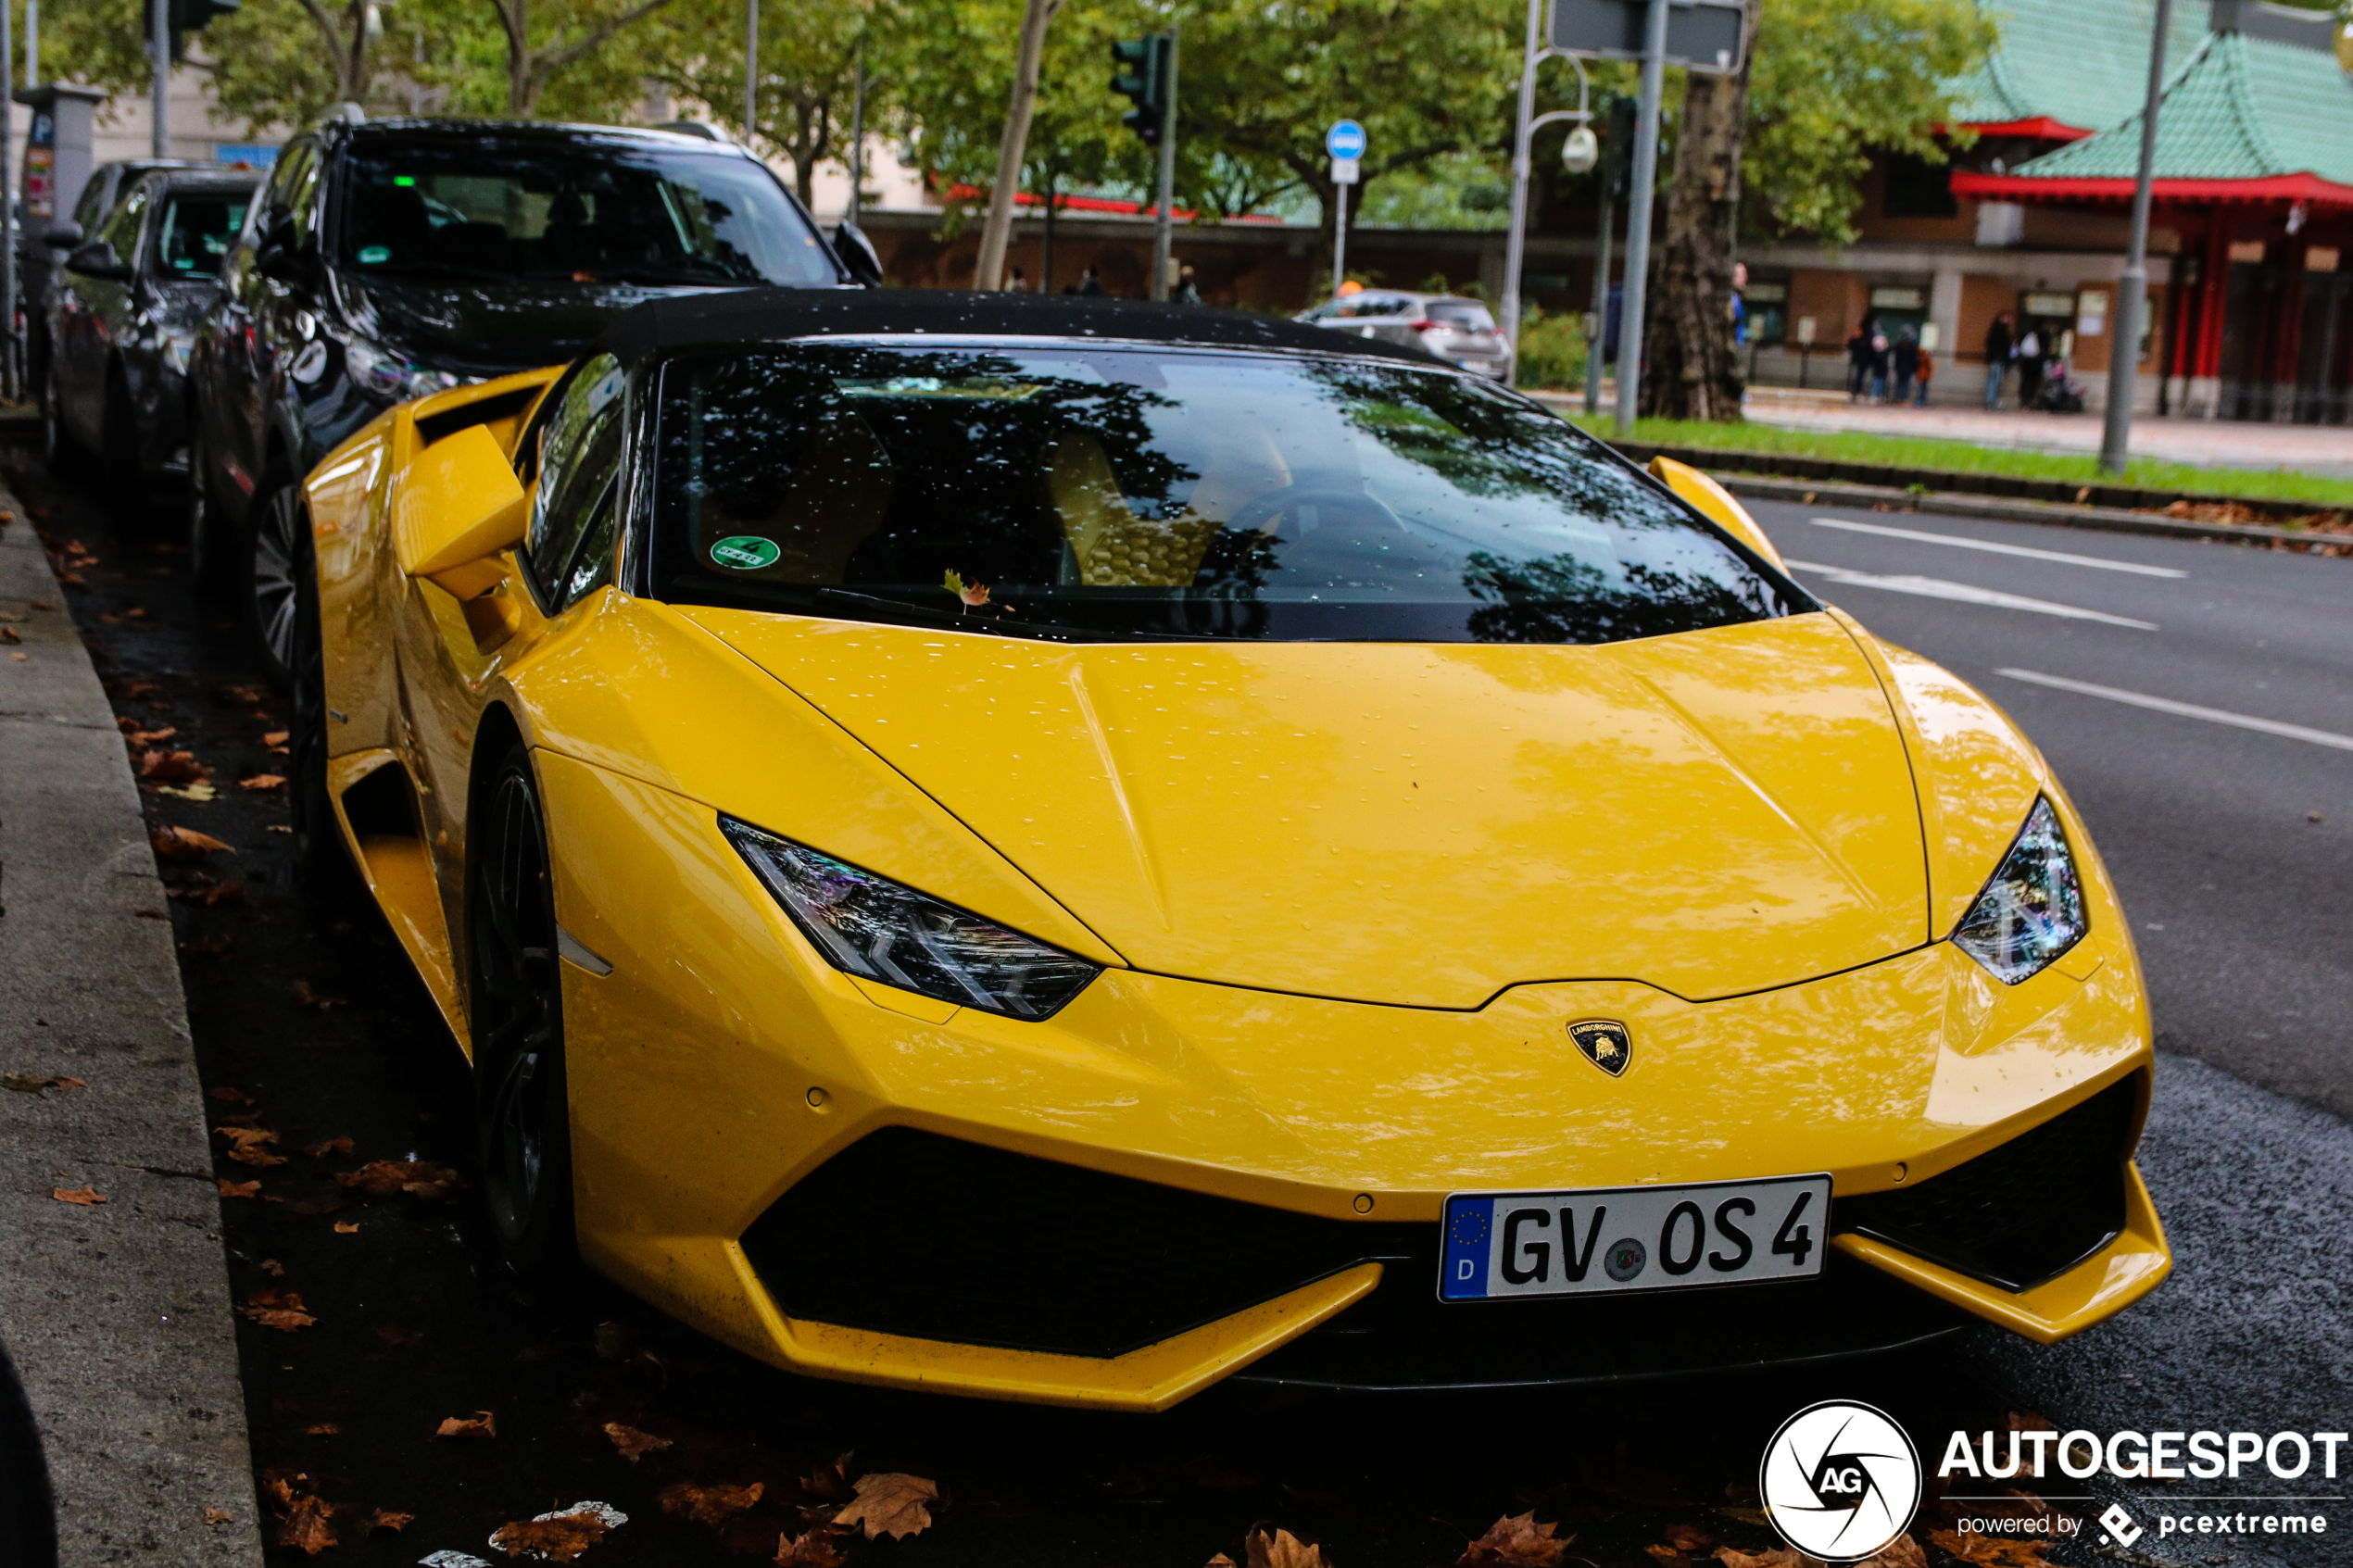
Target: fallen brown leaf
{"type": "Point", "coordinates": [1902, 1552]}
{"type": "Point", "coordinates": [187, 844]}
{"type": "Point", "coordinates": [218, 1516]}
{"type": "Point", "coordinates": [304, 1527]}
{"type": "Point", "coordinates": [830, 1481]}
{"type": "Point", "coordinates": [249, 1146]}
{"type": "Point", "coordinates": [135, 735]}
{"type": "Point", "coordinates": [814, 1549]}
{"type": "Point", "coordinates": [271, 1267]}
{"type": "Point", "coordinates": [421, 1178]}
{"type": "Point", "coordinates": [222, 1091]}
{"type": "Point", "coordinates": [322, 1429]}
{"type": "Point", "coordinates": [1220, 1560]}
{"type": "Point", "coordinates": [86, 1197]}
{"type": "Point", "coordinates": [305, 996]}
{"type": "Point", "coordinates": [1282, 1549]}
{"type": "Point", "coordinates": [237, 1189]}
{"type": "Point", "coordinates": [1992, 1551]}
{"type": "Point", "coordinates": [707, 1505]}
{"type": "Point", "coordinates": [483, 1425]}
{"type": "Point", "coordinates": [632, 1443]}
{"type": "Point", "coordinates": [9, 634]}
{"type": "Point", "coordinates": [347, 1227]}
{"type": "Point", "coordinates": [171, 766]}
{"type": "Point", "coordinates": [891, 1504]}
{"type": "Point", "coordinates": [1667, 1557]}
{"type": "Point", "coordinates": [207, 891]}
{"type": "Point", "coordinates": [1683, 1538]}
{"type": "Point", "coordinates": [281, 1310]}
{"type": "Point", "coordinates": [1516, 1542]}
{"type": "Point", "coordinates": [558, 1540]}
{"type": "Point", "coordinates": [385, 1519]}
{"type": "Point", "coordinates": [263, 783]}
{"type": "Point", "coordinates": [25, 1084]}
{"type": "Point", "coordinates": [1731, 1558]}
{"type": "Point", "coordinates": [274, 739]}
{"type": "Point", "coordinates": [325, 1147]}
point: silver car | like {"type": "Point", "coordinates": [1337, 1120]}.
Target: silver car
{"type": "Point", "coordinates": [1460, 330]}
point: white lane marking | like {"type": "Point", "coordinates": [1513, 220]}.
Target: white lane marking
{"type": "Point", "coordinates": [2184, 709]}
{"type": "Point", "coordinates": [1922, 536]}
{"type": "Point", "coordinates": [1963, 593]}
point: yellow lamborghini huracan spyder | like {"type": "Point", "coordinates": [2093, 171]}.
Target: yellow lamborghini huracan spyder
{"type": "Point", "coordinates": [1068, 850]}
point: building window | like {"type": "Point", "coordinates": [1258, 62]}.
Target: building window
{"type": "Point", "coordinates": [1917, 188]}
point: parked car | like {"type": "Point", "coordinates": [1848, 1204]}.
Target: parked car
{"type": "Point", "coordinates": [39, 254]}
{"type": "Point", "coordinates": [1459, 331]}
{"type": "Point", "coordinates": [123, 313]}
{"type": "Point", "coordinates": [1068, 850]}
{"type": "Point", "coordinates": [387, 259]}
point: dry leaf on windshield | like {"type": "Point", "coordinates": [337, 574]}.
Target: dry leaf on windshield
{"type": "Point", "coordinates": [707, 1505]}
{"type": "Point", "coordinates": [249, 1146]}
{"type": "Point", "coordinates": [237, 1189]}
{"type": "Point", "coordinates": [1731, 1558]}
{"type": "Point", "coordinates": [421, 1178]}
{"type": "Point", "coordinates": [25, 1084]}
{"type": "Point", "coordinates": [1516, 1542]}
{"type": "Point", "coordinates": [281, 1310]}
{"type": "Point", "coordinates": [891, 1504]}
{"type": "Point", "coordinates": [187, 844]}
{"type": "Point", "coordinates": [304, 1527]}
{"type": "Point", "coordinates": [815, 1549]}
{"type": "Point", "coordinates": [632, 1443]}
{"type": "Point", "coordinates": [385, 1519]}
{"type": "Point", "coordinates": [1283, 1550]}
{"type": "Point", "coordinates": [557, 1540]}
{"type": "Point", "coordinates": [329, 1145]}
{"type": "Point", "coordinates": [483, 1425]}
{"type": "Point", "coordinates": [86, 1197]}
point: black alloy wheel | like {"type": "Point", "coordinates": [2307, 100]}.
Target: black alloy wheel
{"type": "Point", "coordinates": [209, 549]}
{"type": "Point", "coordinates": [267, 602]}
{"type": "Point", "coordinates": [522, 1116]}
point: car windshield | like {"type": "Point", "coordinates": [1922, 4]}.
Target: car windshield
{"type": "Point", "coordinates": [196, 230]}
{"type": "Point", "coordinates": [589, 213]}
{"type": "Point", "coordinates": [1090, 491]}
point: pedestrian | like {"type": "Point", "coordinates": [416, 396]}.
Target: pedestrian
{"type": "Point", "coordinates": [1927, 369]}
{"type": "Point", "coordinates": [1907, 364]}
{"type": "Point", "coordinates": [1020, 284]}
{"type": "Point", "coordinates": [2029, 367]}
{"type": "Point", "coordinates": [1880, 354]}
{"type": "Point", "coordinates": [1187, 292]}
{"type": "Point", "coordinates": [1858, 362]}
{"type": "Point", "coordinates": [1092, 283]}
{"type": "Point", "coordinates": [1997, 358]}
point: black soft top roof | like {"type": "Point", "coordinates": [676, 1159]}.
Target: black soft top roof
{"type": "Point", "coordinates": [773, 315]}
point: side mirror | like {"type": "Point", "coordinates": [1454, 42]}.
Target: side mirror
{"type": "Point", "coordinates": [461, 507]}
{"type": "Point", "coordinates": [1702, 491]}
{"type": "Point", "coordinates": [96, 260]}
{"type": "Point", "coordinates": [857, 255]}
{"type": "Point", "coordinates": [62, 236]}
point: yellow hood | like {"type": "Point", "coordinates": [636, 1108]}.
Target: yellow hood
{"type": "Point", "coordinates": [1712, 813]}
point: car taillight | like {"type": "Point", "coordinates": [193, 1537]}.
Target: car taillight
{"type": "Point", "coordinates": [1429, 326]}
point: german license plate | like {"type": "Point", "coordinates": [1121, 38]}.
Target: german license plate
{"type": "Point", "coordinates": [1604, 1239]}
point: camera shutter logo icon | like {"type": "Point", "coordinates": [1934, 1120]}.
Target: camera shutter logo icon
{"type": "Point", "coordinates": [1840, 1481]}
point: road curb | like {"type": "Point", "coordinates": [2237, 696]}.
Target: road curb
{"type": "Point", "coordinates": [116, 1314]}
{"type": "Point", "coordinates": [2048, 513]}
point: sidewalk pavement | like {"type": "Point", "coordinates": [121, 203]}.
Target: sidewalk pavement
{"type": "Point", "coordinates": [2324, 450]}
{"type": "Point", "coordinates": [117, 1313]}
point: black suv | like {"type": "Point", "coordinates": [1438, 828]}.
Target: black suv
{"type": "Point", "coordinates": [388, 260]}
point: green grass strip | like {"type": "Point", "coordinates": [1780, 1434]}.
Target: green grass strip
{"type": "Point", "coordinates": [1962, 456]}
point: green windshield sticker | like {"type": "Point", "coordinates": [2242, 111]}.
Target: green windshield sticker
{"type": "Point", "coordinates": [370, 255]}
{"type": "Point", "coordinates": [746, 552]}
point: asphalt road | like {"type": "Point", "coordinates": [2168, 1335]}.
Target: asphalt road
{"type": "Point", "coordinates": [307, 1024]}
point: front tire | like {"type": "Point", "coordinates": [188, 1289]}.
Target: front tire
{"type": "Point", "coordinates": [267, 581]}
{"type": "Point", "coordinates": [522, 1114]}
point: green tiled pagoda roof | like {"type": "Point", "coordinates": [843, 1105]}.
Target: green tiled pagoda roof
{"type": "Point", "coordinates": [2058, 59]}
{"type": "Point", "coordinates": [2237, 109]}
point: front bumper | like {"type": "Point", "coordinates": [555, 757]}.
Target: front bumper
{"type": "Point", "coordinates": [1174, 1182]}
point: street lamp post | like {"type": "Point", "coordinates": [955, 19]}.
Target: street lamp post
{"type": "Point", "coordinates": [1523, 169]}
{"type": "Point", "coordinates": [2125, 348]}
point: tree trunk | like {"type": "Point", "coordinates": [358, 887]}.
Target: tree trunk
{"type": "Point", "coordinates": [995, 235]}
{"type": "Point", "coordinates": [1693, 369]}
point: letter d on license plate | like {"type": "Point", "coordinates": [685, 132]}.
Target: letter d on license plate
{"type": "Point", "coordinates": [1604, 1239]}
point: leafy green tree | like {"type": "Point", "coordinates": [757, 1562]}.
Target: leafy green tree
{"type": "Point", "coordinates": [808, 70]}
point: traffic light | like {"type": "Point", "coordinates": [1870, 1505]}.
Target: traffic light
{"type": "Point", "coordinates": [1618, 151]}
{"type": "Point", "coordinates": [184, 17]}
{"type": "Point", "coordinates": [1143, 77]}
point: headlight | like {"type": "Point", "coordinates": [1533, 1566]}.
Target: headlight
{"type": "Point", "coordinates": [878, 930]}
{"type": "Point", "coordinates": [379, 370]}
{"type": "Point", "coordinates": [2033, 909]}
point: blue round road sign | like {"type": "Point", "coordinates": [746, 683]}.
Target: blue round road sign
{"type": "Point", "coordinates": [1345, 139]}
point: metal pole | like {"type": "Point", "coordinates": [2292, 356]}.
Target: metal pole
{"type": "Point", "coordinates": [857, 135]}
{"type": "Point", "coordinates": [1638, 218]}
{"type": "Point", "coordinates": [2125, 348]}
{"type": "Point", "coordinates": [31, 42]}
{"type": "Point", "coordinates": [1167, 175]}
{"type": "Point", "coordinates": [8, 354]}
{"type": "Point", "coordinates": [1340, 242]}
{"type": "Point", "coordinates": [1516, 245]}
{"type": "Point", "coordinates": [751, 69]}
{"type": "Point", "coordinates": [1600, 301]}
{"type": "Point", "coordinates": [160, 48]}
